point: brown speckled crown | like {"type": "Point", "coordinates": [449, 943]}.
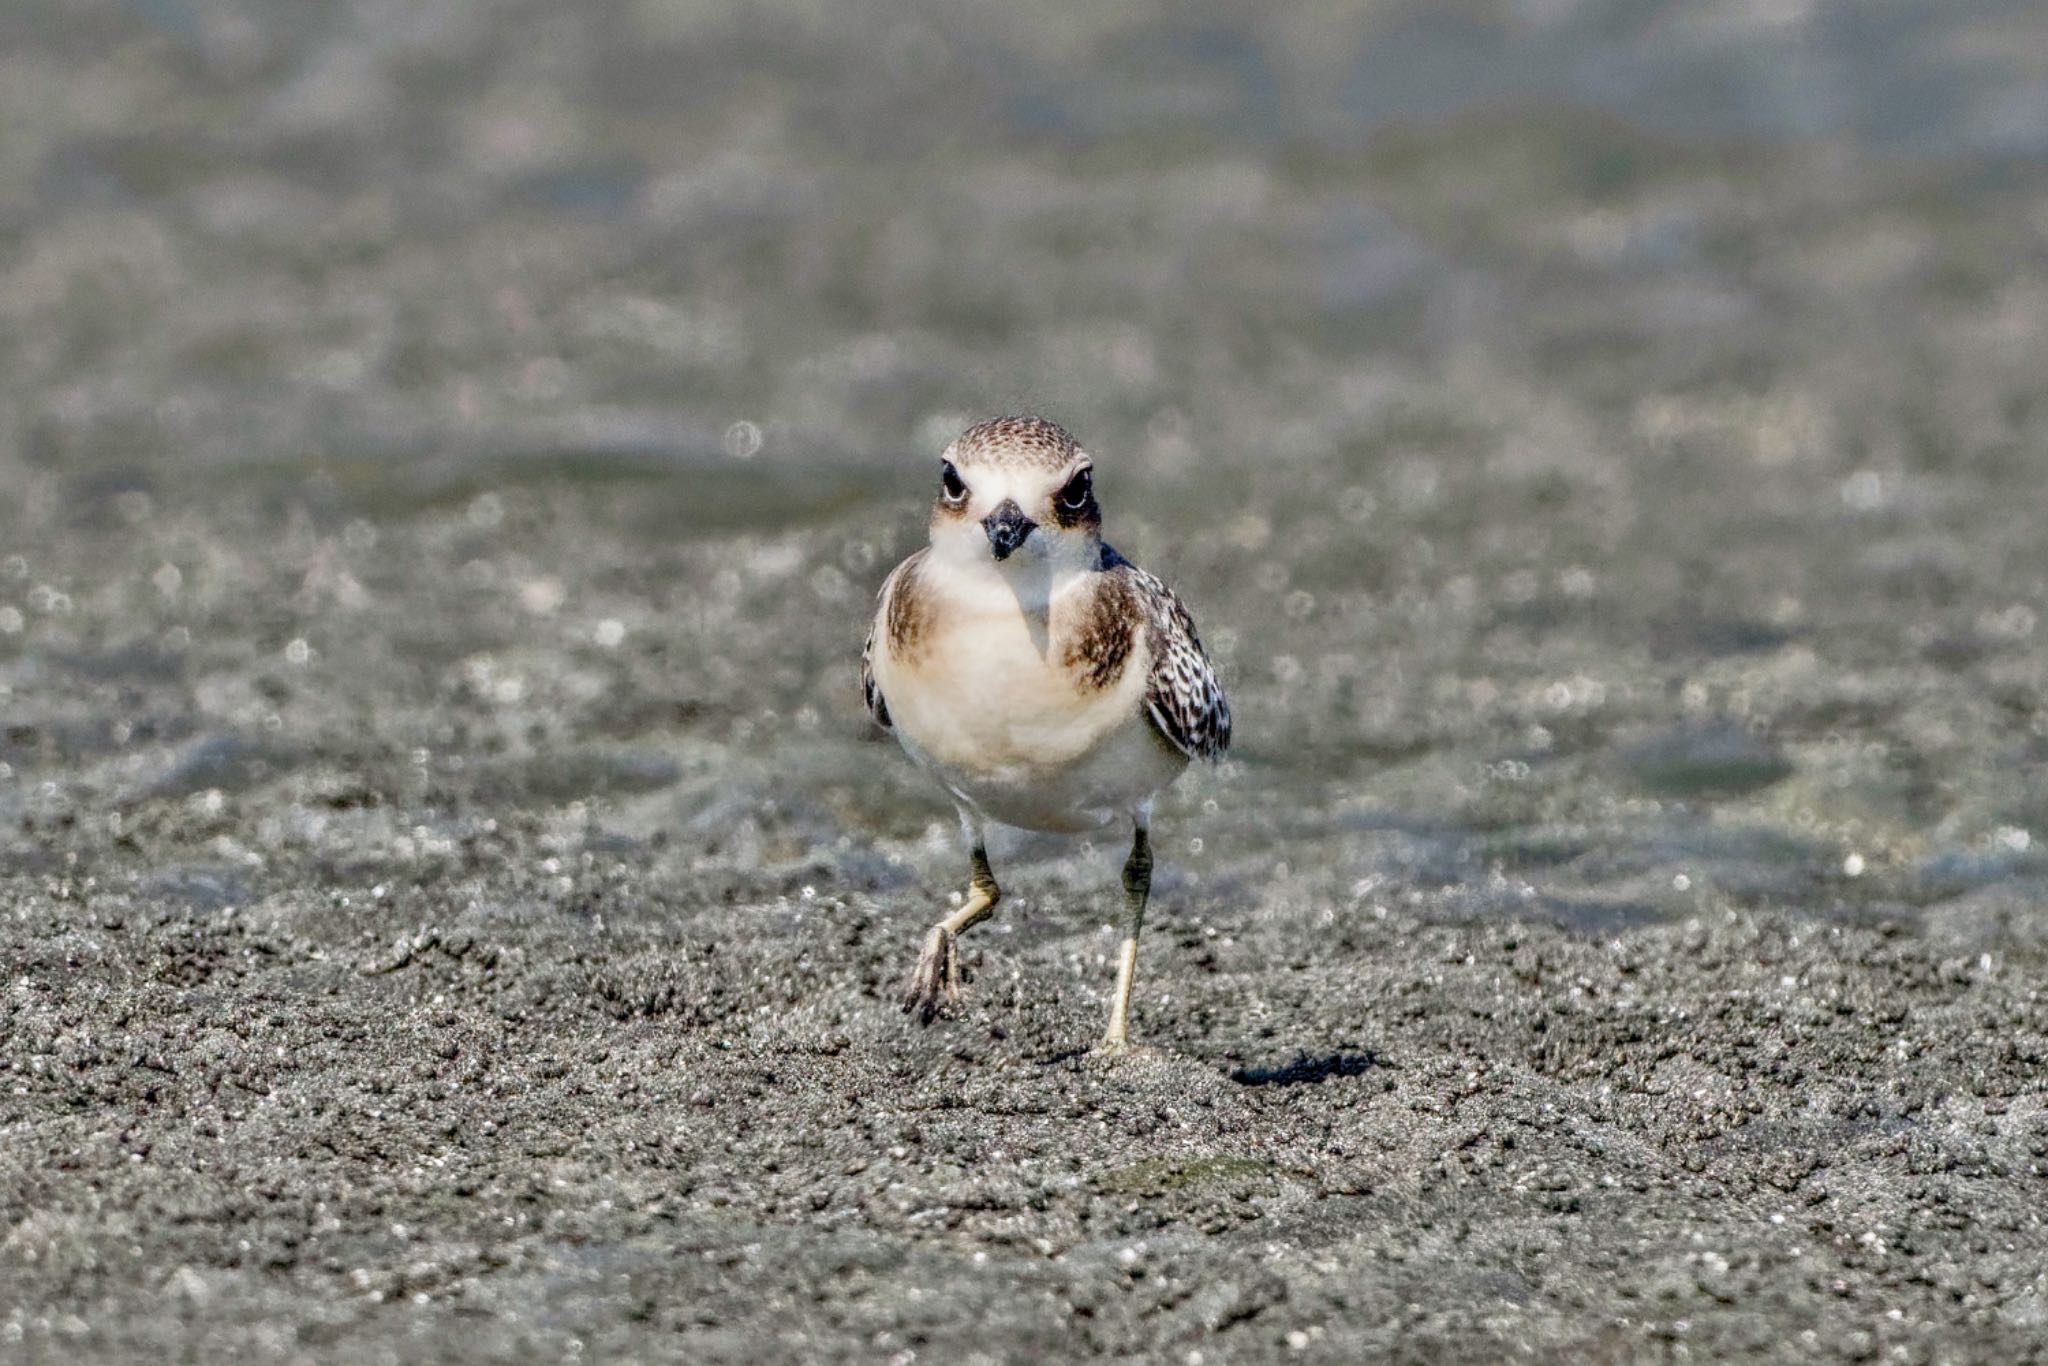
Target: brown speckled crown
{"type": "Point", "coordinates": [1014, 441]}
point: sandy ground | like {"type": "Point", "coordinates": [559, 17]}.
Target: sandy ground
{"type": "Point", "coordinates": [452, 904]}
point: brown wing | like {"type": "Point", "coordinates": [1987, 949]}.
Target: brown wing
{"type": "Point", "coordinates": [1183, 697]}
{"type": "Point", "coordinates": [889, 617]}
{"type": "Point", "coordinates": [869, 692]}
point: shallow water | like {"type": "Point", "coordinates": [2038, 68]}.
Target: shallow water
{"type": "Point", "coordinates": [450, 449]}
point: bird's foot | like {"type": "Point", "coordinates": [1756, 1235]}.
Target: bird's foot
{"type": "Point", "coordinates": [1112, 1048]}
{"type": "Point", "coordinates": [935, 982]}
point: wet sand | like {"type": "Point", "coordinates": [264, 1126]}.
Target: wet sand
{"type": "Point", "coordinates": [452, 904]}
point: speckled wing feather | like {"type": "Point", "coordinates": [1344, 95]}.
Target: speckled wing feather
{"type": "Point", "coordinates": [1183, 698]}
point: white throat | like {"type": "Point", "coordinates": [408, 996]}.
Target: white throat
{"type": "Point", "coordinates": [1036, 573]}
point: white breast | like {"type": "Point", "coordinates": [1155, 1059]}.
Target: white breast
{"type": "Point", "coordinates": [988, 704]}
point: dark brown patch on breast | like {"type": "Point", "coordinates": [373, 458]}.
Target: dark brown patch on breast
{"type": "Point", "coordinates": [910, 615]}
{"type": "Point", "coordinates": [1099, 643]}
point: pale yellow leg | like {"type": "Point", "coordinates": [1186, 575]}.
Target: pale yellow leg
{"type": "Point", "coordinates": [1137, 886]}
{"type": "Point", "coordinates": [936, 980]}
{"type": "Point", "coordinates": [982, 896]}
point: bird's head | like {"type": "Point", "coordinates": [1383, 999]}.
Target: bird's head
{"type": "Point", "coordinates": [1017, 491]}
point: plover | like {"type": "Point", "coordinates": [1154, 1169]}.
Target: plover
{"type": "Point", "coordinates": [1043, 679]}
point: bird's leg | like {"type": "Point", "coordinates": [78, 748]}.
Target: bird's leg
{"type": "Point", "coordinates": [936, 980]}
{"type": "Point", "coordinates": [1137, 886]}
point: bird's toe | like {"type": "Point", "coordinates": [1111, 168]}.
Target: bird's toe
{"type": "Point", "coordinates": [935, 982]}
{"type": "Point", "coordinates": [1117, 1050]}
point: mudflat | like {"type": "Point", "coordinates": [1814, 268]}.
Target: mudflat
{"type": "Point", "coordinates": [452, 904]}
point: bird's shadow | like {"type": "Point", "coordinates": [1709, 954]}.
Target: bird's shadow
{"type": "Point", "coordinates": [1303, 1071]}
{"type": "Point", "coordinates": [1308, 1071]}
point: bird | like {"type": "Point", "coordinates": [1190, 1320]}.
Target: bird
{"type": "Point", "coordinates": [1045, 681]}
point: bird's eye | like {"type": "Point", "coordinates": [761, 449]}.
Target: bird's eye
{"type": "Point", "coordinates": [1074, 497]}
{"type": "Point", "coordinates": [950, 481]}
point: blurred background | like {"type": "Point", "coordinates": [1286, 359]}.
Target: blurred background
{"type": "Point", "coordinates": [448, 451]}
{"type": "Point", "coordinates": [1567, 419]}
